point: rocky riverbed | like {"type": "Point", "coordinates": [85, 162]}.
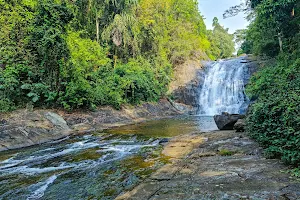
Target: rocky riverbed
{"type": "Point", "coordinates": [23, 128]}
{"type": "Point", "coordinates": [217, 165]}
{"type": "Point", "coordinates": [100, 165]}
{"type": "Point", "coordinates": [174, 158]}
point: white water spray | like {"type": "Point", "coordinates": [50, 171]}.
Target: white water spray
{"type": "Point", "coordinates": [223, 89]}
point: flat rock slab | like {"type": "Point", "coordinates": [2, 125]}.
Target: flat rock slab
{"type": "Point", "coordinates": [180, 146]}
{"type": "Point", "coordinates": [208, 173]}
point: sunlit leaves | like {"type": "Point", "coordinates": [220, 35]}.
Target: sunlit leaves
{"type": "Point", "coordinates": [222, 45]}
{"type": "Point", "coordinates": [86, 53]}
{"type": "Point", "coordinates": [174, 29]}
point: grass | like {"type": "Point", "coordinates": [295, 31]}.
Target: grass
{"type": "Point", "coordinates": [226, 152]}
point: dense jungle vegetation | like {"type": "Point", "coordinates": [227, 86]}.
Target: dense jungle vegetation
{"type": "Point", "coordinates": [87, 53]}
{"type": "Point", "coordinates": [274, 118]}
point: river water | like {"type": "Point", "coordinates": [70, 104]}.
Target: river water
{"type": "Point", "coordinates": [97, 166]}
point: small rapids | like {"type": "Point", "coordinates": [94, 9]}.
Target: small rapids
{"type": "Point", "coordinates": [97, 166]}
{"type": "Point", "coordinates": [43, 186]}
{"type": "Point", "coordinates": [85, 156]}
{"type": "Point", "coordinates": [224, 88]}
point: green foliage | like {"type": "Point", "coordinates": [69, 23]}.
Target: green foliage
{"type": "Point", "coordinates": [273, 26]}
{"type": "Point", "coordinates": [78, 75]}
{"type": "Point", "coordinates": [295, 172]}
{"type": "Point", "coordinates": [17, 84]}
{"type": "Point", "coordinates": [47, 41]}
{"type": "Point", "coordinates": [226, 152]}
{"type": "Point", "coordinates": [88, 53]}
{"type": "Point", "coordinates": [222, 45]}
{"type": "Point", "coordinates": [6, 105]}
{"type": "Point", "coordinates": [14, 19]}
{"type": "Point", "coordinates": [274, 119]}
{"type": "Point", "coordinates": [171, 30]}
{"type": "Point", "coordinates": [138, 81]}
{"type": "Point", "coordinates": [246, 47]}
{"type": "Point", "coordinates": [90, 80]}
{"type": "Point", "coordinates": [30, 50]}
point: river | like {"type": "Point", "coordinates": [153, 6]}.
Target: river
{"type": "Point", "coordinates": [97, 166]}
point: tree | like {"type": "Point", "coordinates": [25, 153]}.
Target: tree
{"type": "Point", "coordinates": [86, 53]}
{"type": "Point", "coordinates": [272, 22]}
{"type": "Point", "coordinates": [215, 22]}
{"type": "Point", "coordinates": [222, 45]}
{"type": "Point", "coordinates": [47, 40]}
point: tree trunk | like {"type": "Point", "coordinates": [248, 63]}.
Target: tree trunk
{"type": "Point", "coordinates": [97, 28]}
{"type": "Point", "coordinates": [280, 41]}
{"type": "Point", "coordinates": [115, 57]}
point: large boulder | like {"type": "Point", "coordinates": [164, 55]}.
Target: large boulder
{"type": "Point", "coordinates": [57, 120]}
{"type": "Point", "coordinates": [226, 121]}
{"type": "Point", "coordinates": [240, 125]}
{"type": "Point", "coordinates": [23, 128]}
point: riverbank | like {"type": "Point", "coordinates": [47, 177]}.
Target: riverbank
{"type": "Point", "coordinates": [23, 128]}
{"type": "Point", "coordinates": [217, 165]}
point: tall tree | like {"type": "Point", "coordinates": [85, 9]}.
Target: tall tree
{"type": "Point", "coordinates": [222, 45]}
{"type": "Point", "coordinates": [47, 39]}
{"type": "Point", "coordinates": [272, 22]}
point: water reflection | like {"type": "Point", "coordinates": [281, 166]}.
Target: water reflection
{"type": "Point", "coordinates": [166, 128]}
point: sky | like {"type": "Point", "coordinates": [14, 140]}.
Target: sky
{"type": "Point", "coordinates": [215, 8]}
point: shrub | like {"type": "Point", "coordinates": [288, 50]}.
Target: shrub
{"type": "Point", "coordinates": [89, 79]}
{"type": "Point", "coordinates": [274, 120]}
{"type": "Point", "coordinates": [21, 85]}
{"type": "Point", "coordinates": [6, 105]}
{"type": "Point", "coordinates": [138, 81]}
{"type": "Point", "coordinates": [226, 152]}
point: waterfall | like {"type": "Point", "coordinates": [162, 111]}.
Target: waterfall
{"type": "Point", "coordinates": [224, 88]}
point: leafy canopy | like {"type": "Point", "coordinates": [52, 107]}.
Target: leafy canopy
{"type": "Point", "coordinates": [88, 53]}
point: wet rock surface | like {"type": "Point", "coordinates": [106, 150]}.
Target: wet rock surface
{"type": "Point", "coordinates": [187, 82]}
{"type": "Point", "coordinates": [57, 120]}
{"type": "Point", "coordinates": [222, 165]}
{"type": "Point", "coordinates": [189, 94]}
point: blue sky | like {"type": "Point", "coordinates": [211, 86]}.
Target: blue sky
{"type": "Point", "coordinates": [216, 8]}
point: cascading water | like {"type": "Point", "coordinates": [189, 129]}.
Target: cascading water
{"type": "Point", "coordinates": [223, 89]}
